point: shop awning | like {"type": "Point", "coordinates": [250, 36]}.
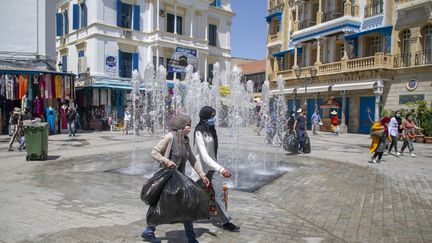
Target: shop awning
{"type": "Point", "coordinates": [282, 53]}
{"type": "Point", "coordinates": [386, 30]}
{"type": "Point", "coordinates": [274, 15]}
{"type": "Point", "coordinates": [353, 86]}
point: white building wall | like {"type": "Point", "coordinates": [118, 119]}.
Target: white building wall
{"type": "Point", "coordinates": [28, 29]}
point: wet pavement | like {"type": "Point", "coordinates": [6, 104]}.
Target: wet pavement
{"type": "Point", "coordinates": [330, 195]}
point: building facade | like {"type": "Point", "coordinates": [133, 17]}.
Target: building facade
{"type": "Point", "coordinates": [29, 82]}
{"type": "Point", "coordinates": [104, 40]}
{"type": "Point", "coordinates": [356, 57]}
{"type": "Point", "coordinates": [254, 71]}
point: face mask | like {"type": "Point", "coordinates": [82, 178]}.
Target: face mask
{"type": "Point", "coordinates": [211, 121]}
{"type": "Point", "coordinates": [397, 115]}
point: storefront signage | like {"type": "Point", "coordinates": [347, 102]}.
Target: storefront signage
{"type": "Point", "coordinates": [403, 99]}
{"type": "Point", "coordinates": [111, 66]}
{"type": "Point", "coordinates": [412, 84]}
{"type": "Point", "coordinates": [181, 58]}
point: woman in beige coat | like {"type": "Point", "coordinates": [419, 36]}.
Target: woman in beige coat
{"type": "Point", "coordinates": [172, 151]}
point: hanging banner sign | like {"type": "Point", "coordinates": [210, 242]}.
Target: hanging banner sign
{"type": "Point", "coordinates": [181, 58]}
{"type": "Point", "coordinates": [110, 66]}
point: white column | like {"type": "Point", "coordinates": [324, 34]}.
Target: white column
{"type": "Point", "coordinates": [175, 18]}
{"type": "Point", "coordinates": [343, 127]}
{"type": "Point", "coordinates": [206, 25]}
{"type": "Point", "coordinates": [377, 106]}
{"type": "Point", "coordinates": [191, 21]}
{"type": "Point", "coordinates": [157, 14]}
{"type": "Point", "coordinates": [295, 57]}
{"type": "Point", "coordinates": [318, 57]}
{"type": "Point", "coordinates": [205, 67]}
{"type": "Point", "coordinates": [157, 56]}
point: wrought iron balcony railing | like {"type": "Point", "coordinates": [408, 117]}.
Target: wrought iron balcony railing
{"type": "Point", "coordinates": [332, 15]}
{"type": "Point", "coordinates": [402, 60]}
{"type": "Point", "coordinates": [423, 57]}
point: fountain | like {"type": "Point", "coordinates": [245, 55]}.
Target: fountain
{"type": "Point", "coordinates": [234, 104]}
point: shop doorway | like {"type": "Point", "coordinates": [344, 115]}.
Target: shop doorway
{"type": "Point", "coordinates": [367, 114]}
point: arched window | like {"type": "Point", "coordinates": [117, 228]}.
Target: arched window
{"type": "Point", "coordinates": [427, 43]}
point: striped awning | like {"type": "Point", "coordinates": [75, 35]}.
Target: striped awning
{"type": "Point", "coordinates": [274, 15]}
{"type": "Point", "coordinates": [386, 30]}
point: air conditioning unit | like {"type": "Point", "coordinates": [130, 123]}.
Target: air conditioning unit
{"type": "Point", "coordinates": [127, 33]}
{"type": "Point", "coordinates": [82, 65]}
{"type": "Point", "coordinates": [162, 13]}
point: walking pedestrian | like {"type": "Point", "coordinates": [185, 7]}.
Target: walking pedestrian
{"type": "Point", "coordinates": [300, 128]}
{"type": "Point", "coordinates": [127, 119]}
{"type": "Point", "coordinates": [16, 125]}
{"type": "Point", "coordinates": [206, 148]}
{"type": "Point", "coordinates": [172, 151]}
{"type": "Point", "coordinates": [334, 122]}
{"type": "Point", "coordinates": [316, 119]}
{"type": "Point", "coordinates": [408, 126]}
{"type": "Point", "coordinates": [378, 142]}
{"type": "Point", "coordinates": [71, 117]}
{"type": "Point", "coordinates": [394, 132]}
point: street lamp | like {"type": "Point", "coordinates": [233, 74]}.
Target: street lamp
{"type": "Point", "coordinates": [297, 72]}
{"type": "Point", "coordinates": [60, 64]}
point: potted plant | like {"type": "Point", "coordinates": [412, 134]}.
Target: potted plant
{"type": "Point", "coordinates": [427, 125]}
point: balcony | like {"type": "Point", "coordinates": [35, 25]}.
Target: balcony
{"type": "Point", "coordinates": [379, 60]}
{"type": "Point", "coordinates": [423, 58]}
{"type": "Point", "coordinates": [307, 23]}
{"type": "Point", "coordinates": [374, 9]}
{"type": "Point", "coordinates": [274, 38]}
{"type": "Point", "coordinates": [412, 4]}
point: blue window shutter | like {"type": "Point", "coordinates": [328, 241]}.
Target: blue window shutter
{"type": "Point", "coordinates": [120, 63]}
{"type": "Point", "coordinates": [83, 15]}
{"type": "Point", "coordinates": [59, 23]}
{"type": "Point", "coordinates": [75, 17]}
{"type": "Point", "coordinates": [81, 53]}
{"type": "Point", "coordinates": [136, 17]}
{"type": "Point", "coordinates": [170, 23]}
{"type": "Point", "coordinates": [119, 14]}
{"type": "Point", "coordinates": [135, 61]}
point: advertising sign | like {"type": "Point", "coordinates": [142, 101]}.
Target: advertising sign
{"type": "Point", "coordinates": [181, 58]}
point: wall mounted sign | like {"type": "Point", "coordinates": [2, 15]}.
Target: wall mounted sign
{"type": "Point", "coordinates": [411, 84]}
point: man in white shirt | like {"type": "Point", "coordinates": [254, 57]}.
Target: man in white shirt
{"type": "Point", "coordinates": [127, 120]}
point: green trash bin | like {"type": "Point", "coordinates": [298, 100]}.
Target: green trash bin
{"type": "Point", "coordinates": [36, 141]}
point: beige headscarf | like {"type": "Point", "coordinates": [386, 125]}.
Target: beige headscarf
{"type": "Point", "coordinates": [178, 124]}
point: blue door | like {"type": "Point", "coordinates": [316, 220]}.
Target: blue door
{"type": "Point", "coordinates": [347, 109]}
{"type": "Point", "coordinates": [291, 105]}
{"type": "Point", "coordinates": [310, 111]}
{"type": "Point", "coordinates": [367, 114]}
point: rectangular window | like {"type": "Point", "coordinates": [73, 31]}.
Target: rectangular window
{"type": "Point", "coordinates": [59, 24]}
{"type": "Point", "coordinates": [210, 73]}
{"type": "Point", "coordinates": [216, 3]}
{"type": "Point", "coordinates": [83, 14]}
{"type": "Point", "coordinates": [126, 15]}
{"type": "Point", "coordinates": [171, 24]}
{"type": "Point", "coordinates": [404, 99]}
{"type": "Point", "coordinates": [212, 35]}
{"type": "Point", "coordinates": [66, 22]}
{"type": "Point", "coordinates": [125, 65]}
{"type": "Point", "coordinates": [161, 61]}
{"type": "Point", "coordinates": [64, 64]}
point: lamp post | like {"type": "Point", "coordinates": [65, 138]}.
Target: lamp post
{"type": "Point", "coordinates": [378, 90]}
{"type": "Point", "coordinates": [313, 73]}
{"type": "Point", "coordinates": [60, 64]}
{"type": "Point", "coordinates": [298, 72]}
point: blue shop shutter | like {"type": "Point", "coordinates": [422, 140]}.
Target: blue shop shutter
{"type": "Point", "coordinates": [135, 61]}
{"type": "Point", "coordinates": [59, 23]}
{"type": "Point", "coordinates": [179, 25]}
{"type": "Point", "coordinates": [119, 14]}
{"type": "Point", "coordinates": [136, 17]}
{"type": "Point", "coordinates": [75, 24]}
{"type": "Point", "coordinates": [120, 63]}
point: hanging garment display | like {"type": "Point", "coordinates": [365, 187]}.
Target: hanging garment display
{"type": "Point", "coordinates": [23, 83]}
{"type": "Point", "coordinates": [53, 87]}
{"type": "Point", "coordinates": [63, 112]}
{"type": "Point", "coordinates": [58, 84]}
{"type": "Point", "coordinates": [50, 116]}
{"type": "Point", "coordinates": [48, 86]}
{"type": "Point", "coordinates": [42, 85]}
{"type": "Point", "coordinates": [63, 93]}
{"type": "Point", "coordinates": [3, 86]}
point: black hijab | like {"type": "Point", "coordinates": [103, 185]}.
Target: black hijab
{"type": "Point", "coordinates": [206, 113]}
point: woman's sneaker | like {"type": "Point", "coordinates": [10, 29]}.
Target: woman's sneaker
{"type": "Point", "coordinates": [231, 227]}
{"type": "Point", "coordinates": [413, 155]}
{"type": "Point", "coordinates": [372, 161]}
{"type": "Point", "coordinates": [150, 237]}
{"type": "Point", "coordinates": [398, 154]}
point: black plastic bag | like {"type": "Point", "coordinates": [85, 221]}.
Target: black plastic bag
{"type": "Point", "coordinates": [181, 200]}
{"type": "Point", "coordinates": [290, 142]}
{"type": "Point", "coordinates": [152, 188]}
{"type": "Point", "coordinates": [307, 145]}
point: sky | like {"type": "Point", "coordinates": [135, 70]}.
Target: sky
{"type": "Point", "coordinates": [248, 33]}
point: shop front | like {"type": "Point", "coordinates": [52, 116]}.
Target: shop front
{"type": "Point", "coordinates": [42, 94]}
